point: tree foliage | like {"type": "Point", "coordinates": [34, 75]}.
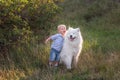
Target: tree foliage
{"type": "Point", "coordinates": [19, 19]}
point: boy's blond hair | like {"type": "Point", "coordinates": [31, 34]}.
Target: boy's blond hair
{"type": "Point", "coordinates": [61, 25]}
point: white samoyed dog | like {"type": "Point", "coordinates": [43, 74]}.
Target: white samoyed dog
{"type": "Point", "coordinates": [71, 48]}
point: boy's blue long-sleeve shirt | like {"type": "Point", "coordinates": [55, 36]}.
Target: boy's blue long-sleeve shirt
{"type": "Point", "coordinates": [57, 43]}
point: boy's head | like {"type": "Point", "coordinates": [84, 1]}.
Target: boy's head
{"type": "Point", "coordinates": [62, 29]}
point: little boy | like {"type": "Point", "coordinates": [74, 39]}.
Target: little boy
{"type": "Point", "coordinates": [57, 45]}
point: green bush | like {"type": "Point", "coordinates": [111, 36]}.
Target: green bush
{"type": "Point", "coordinates": [20, 19]}
{"type": "Point", "coordinates": [10, 19]}
{"type": "Point", "coordinates": [41, 17]}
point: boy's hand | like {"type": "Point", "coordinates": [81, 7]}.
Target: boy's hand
{"type": "Point", "coordinates": [47, 40]}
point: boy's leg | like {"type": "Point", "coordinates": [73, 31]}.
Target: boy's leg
{"type": "Point", "coordinates": [52, 57]}
{"type": "Point", "coordinates": [57, 59]}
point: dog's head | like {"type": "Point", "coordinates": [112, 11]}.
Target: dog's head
{"type": "Point", "coordinates": [73, 34]}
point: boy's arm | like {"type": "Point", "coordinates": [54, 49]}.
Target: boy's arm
{"type": "Point", "coordinates": [47, 40]}
{"type": "Point", "coordinates": [53, 37]}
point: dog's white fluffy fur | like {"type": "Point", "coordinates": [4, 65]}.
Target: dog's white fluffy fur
{"type": "Point", "coordinates": [71, 48]}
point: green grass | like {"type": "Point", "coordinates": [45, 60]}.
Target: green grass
{"type": "Point", "coordinates": [99, 60]}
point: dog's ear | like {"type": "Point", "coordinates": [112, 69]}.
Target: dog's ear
{"type": "Point", "coordinates": [70, 28]}
{"type": "Point", "coordinates": [78, 29]}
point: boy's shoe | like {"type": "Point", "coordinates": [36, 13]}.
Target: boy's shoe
{"type": "Point", "coordinates": [50, 64]}
{"type": "Point", "coordinates": [56, 65]}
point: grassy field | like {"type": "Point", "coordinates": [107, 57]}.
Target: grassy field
{"type": "Point", "coordinates": [99, 59]}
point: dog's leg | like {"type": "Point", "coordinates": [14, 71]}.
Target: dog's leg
{"type": "Point", "coordinates": [75, 61]}
{"type": "Point", "coordinates": [68, 61]}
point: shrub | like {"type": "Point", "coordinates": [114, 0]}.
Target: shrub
{"type": "Point", "coordinates": [19, 19]}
